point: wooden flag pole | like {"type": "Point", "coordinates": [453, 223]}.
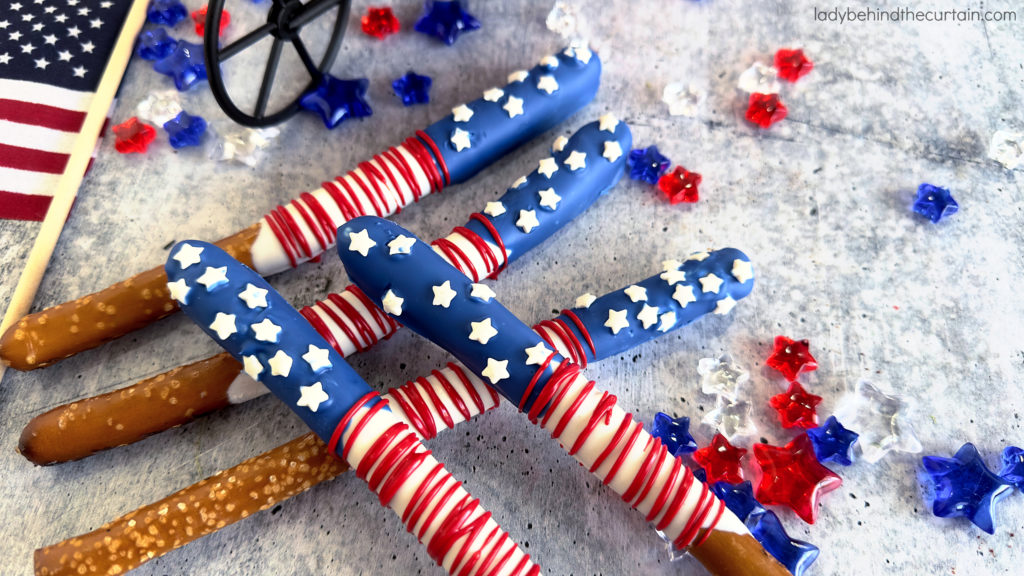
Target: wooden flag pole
{"type": "Point", "coordinates": [74, 172]}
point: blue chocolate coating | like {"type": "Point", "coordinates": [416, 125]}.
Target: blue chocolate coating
{"type": "Point", "coordinates": [493, 134]}
{"type": "Point", "coordinates": [341, 384]}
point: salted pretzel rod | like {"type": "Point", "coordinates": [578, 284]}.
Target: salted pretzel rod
{"type": "Point", "coordinates": [485, 245]}
{"type": "Point", "coordinates": [430, 404]}
{"type": "Point", "coordinates": [555, 395]}
{"type": "Point", "coordinates": [447, 152]}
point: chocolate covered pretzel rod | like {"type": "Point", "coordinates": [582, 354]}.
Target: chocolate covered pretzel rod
{"type": "Point", "coordinates": [554, 393]}
{"type": "Point", "coordinates": [449, 151]}
{"type": "Point", "coordinates": [238, 309]}
{"type": "Point", "coordinates": [430, 404]}
{"type": "Point", "coordinates": [489, 241]}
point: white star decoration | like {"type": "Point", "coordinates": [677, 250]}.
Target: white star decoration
{"type": "Point", "coordinates": [710, 283]}
{"type": "Point", "coordinates": [252, 366]}
{"type": "Point", "coordinates": [547, 84]}
{"type": "Point", "coordinates": [559, 144]}
{"type": "Point", "coordinates": [612, 151]}
{"type": "Point", "coordinates": [496, 370]}
{"type": "Point", "coordinates": [742, 270]}
{"type": "Point", "coordinates": [518, 76]}
{"type": "Point", "coordinates": [608, 123]}
{"type": "Point", "coordinates": [482, 291]}
{"type": "Point", "coordinates": [668, 320]}
{"type": "Point", "coordinates": [669, 265]}
{"type": "Point", "coordinates": [648, 315]}
{"type": "Point", "coordinates": [460, 139]}
{"type": "Point", "coordinates": [280, 364]}
{"type": "Point", "coordinates": [317, 358]}
{"type": "Point", "coordinates": [494, 94]}
{"type": "Point", "coordinates": [576, 160]}
{"type": "Point", "coordinates": [636, 293]}
{"type": "Point", "coordinates": [673, 276]}
{"type": "Point", "coordinates": [443, 294]}
{"type": "Point", "coordinates": [462, 113]}
{"type": "Point", "coordinates": [494, 209]}
{"type": "Point", "coordinates": [402, 244]}
{"type": "Point", "coordinates": [617, 320]}
{"type": "Point", "coordinates": [549, 199]}
{"type": "Point", "coordinates": [312, 396]}
{"type": "Point", "coordinates": [550, 62]}
{"type": "Point", "coordinates": [514, 107]}
{"type": "Point", "coordinates": [254, 297]}
{"type": "Point", "coordinates": [266, 331]}
{"type": "Point", "coordinates": [483, 331]}
{"type": "Point", "coordinates": [519, 182]}
{"type": "Point", "coordinates": [585, 300]}
{"type": "Point", "coordinates": [725, 305]}
{"type": "Point", "coordinates": [684, 295]}
{"type": "Point", "coordinates": [213, 277]}
{"type": "Point", "coordinates": [698, 256]}
{"type": "Point", "coordinates": [224, 325]}
{"type": "Point", "coordinates": [578, 51]}
{"type": "Point", "coordinates": [188, 255]}
{"type": "Point", "coordinates": [547, 167]}
{"type": "Point", "coordinates": [179, 290]}
{"type": "Point", "coordinates": [392, 303]}
{"type": "Point", "coordinates": [360, 242]}
{"type": "Point", "coordinates": [527, 220]}
{"type": "Point", "coordinates": [537, 355]}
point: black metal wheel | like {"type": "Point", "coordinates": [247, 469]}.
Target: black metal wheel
{"type": "Point", "coordinates": [284, 21]}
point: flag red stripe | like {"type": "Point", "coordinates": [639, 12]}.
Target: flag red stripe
{"type": "Point", "coordinates": [32, 160]}
{"type": "Point", "coordinates": [14, 206]}
{"type": "Point", "coordinates": [41, 115]}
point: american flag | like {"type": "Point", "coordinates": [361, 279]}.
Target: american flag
{"type": "Point", "coordinates": [52, 56]}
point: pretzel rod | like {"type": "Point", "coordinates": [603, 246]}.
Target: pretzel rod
{"type": "Point", "coordinates": [554, 393]}
{"type": "Point", "coordinates": [449, 151]}
{"type": "Point", "coordinates": [485, 245]}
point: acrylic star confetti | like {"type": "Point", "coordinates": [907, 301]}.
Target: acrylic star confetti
{"type": "Point", "coordinates": [934, 203]}
{"type": "Point", "coordinates": [243, 145]}
{"type": "Point", "coordinates": [185, 65]}
{"type": "Point", "coordinates": [647, 164]}
{"type": "Point", "coordinates": [412, 88]}
{"type": "Point", "coordinates": [380, 22]}
{"type": "Point", "coordinates": [792, 64]}
{"type": "Point", "coordinates": [1007, 148]}
{"type": "Point", "coordinates": [721, 376]}
{"type": "Point", "coordinates": [721, 461]}
{"type": "Point", "coordinates": [881, 421]}
{"type": "Point", "coordinates": [445, 20]}
{"type": "Point", "coordinates": [792, 476]}
{"type": "Point", "coordinates": [336, 100]}
{"type": "Point", "coordinates": [133, 136]}
{"type": "Point", "coordinates": [796, 407]}
{"type": "Point", "coordinates": [832, 442]}
{"type": "Point", "coordinates": [680, 185]}
{"type": "Point", "coordinates": [159, 107]}
{"type": "Point", "coordinates": [791, 357]}
{"type": "Point", "coordinates": [565, 19]}
{"type": "Point", "coordinates": [759, 79]}
{"type": "Point", "coordinates": [731, 418]}
{"type": "Point", "coordinates": [674, 433]}
{"type": "Point", "coordinates": [682, 99]}
{"type": "Point", "coordinates": [765, 109]}
{"type": "Point", "coordinates": [185, 130]}
{"type": "Point", "coordinates": [965, 487]}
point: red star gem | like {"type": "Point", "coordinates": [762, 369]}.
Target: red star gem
{"type": "Point", "coordinates": [380, 22]}
{"type": "Point", "coordinates": [199, 17]}
{"type": "Point", "coordinates": [680, 185]}
{"type": "Point", "coordinates": [721, 461]}
{"type": "Point", "coordinates": [792, 476]}
{"type": "Point", "coordinates": [765, 109]}
{"type": "Point", "coordinates": [133, 136]}
{"type": "Point", "coordinates": [796, 408]}
{"type": "Point", "coordinates": [792, 64]}
{"type": "Point", "coordinates": [792, 357]}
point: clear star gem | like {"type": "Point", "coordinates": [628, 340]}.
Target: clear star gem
{"type": "Point", "coordinates": [564, 19]}
{"type": "Point", "coordinates": [732, 419]}
{"type": "Point", "coordinates": [682, 100]}
{"type": "Point", "coordinates": [721, 376]}
{"type": "Point", "coordinates": [1007, 148]}
{"type": "Point", "coordinates": [759, 78]}
{"type": "Point", "coordinates": [881, 420]}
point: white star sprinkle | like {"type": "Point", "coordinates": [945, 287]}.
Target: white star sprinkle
{"type": "Point", "coordinates": [494, 94]}
{"type": "Point", "coordinates": [617, 320]}
{"type": "Point", "coordinates": [254, 297]}
{"type": "Point", "coordinates": [213, 277]}
{"type": "Point", "coordinates": [317, 358]}
{"type": "Point", "coordinates": [483, 331]}
{"type": "Point", "coordinates": [443, 294]}
{"type": "Point", "coordinates": [360, 242]}
{"type": "Point", "coordinates": [266, 331]}
{"type": "Point", "coordinates": [188, 255]}
{"type": "Point", "coordinates": [550, 62]}
{"type": "Point", "coordinates": [742, 270]}
{"type": "Point", "coordinates": [579, 51]}
{"type": "Point", "coordinates": [460, 139]}
{"type": "Point", "coordinates": [668, 320]}
{"type": "Point", "coordinates": [496, 370]}
{"type": "Point", "coordinates": [698, 256]}
{"type": "Point", "coordinates": [547, 84]}
{"type": "Point", "coordinates": [392, 303]}
{"type": "Point", "coordinates": [179, 290]}
{"type": "Point", "coordinates": [527, 220]}
{"type": "Point", "coordinates": [312, 396]}
{"type": "Point", "coordinates": [549, 199]}
{"type": "Point", "coordinates": [648, 315]}
{"type": "Point", "coordinates": [280, 364]}
{"type": "Point", "coordinates": [576, 160]}
{"type": "Point", "coordinates": [710, 283]}
{"type": "Point", "coordinates": [673, 276]}
{"type": "Point", "coordinates": [402, 244]}
{"type": "Point", "coordinates": [519, 182]}
{"type": "Point", "coordinates": [494, 209]}
{"type": "Point", "coordinates": [537, 355]}
{"type": "Point", "coordinates": [518, 76]}
{"type": "Point", "coordinates": [684, 295]}
{"type": "Point", "coordinates": [514, 107]}
{"type": "Point", "coordinates": [636, 293]}
{"type": "Point", "coordinates": [608, 123]}
{"type": "Point", "coordinates": [559, 144]}
{"type": "Point", "coordinates": [482, 291]}
{"type": "Point", "coordinates": [462, 113]}
{"type": "Point", "coordinates": [585, 300]}
{"type": "Point", "coordinates": [548, 166]}
{"type": "Point", "coordinates": [669, 265]}
{"type": "Point", "coordinates": [725, 305]}
{"type": "Point", "coordinates": [252, 366]}
{"type": "Point", "coordinates": [612, 151]}
{"type": "Point", "coordinates": [224, 325]}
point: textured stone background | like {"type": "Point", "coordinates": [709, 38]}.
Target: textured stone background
{"type": "Point", "coordinates": [819, 202]}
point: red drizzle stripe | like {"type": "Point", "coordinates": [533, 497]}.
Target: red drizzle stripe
{"type": "Point", "coordinates": [497, 240]}
{"type": "Point", "coordinates": [321, 327]}
{"type": "Point", "coordinates": [340, 428]}
{"type": "Point", "coordinates": [645, 468]}
{"type": "Point", "coordinates": [677, 501]}
{"type": "Point", "coordinates": [623, 426]}
{"type": "Point", "coordinates": [349, 335]}
{"type": "Point", "coordinates": [471, 390]}
{"type": "Point", "coordinates": [322, 217]}
{"type": "Point", "coordinates": [348, 212]}
{"type": "Point", "coordinates": [371, 194]}
{"type": "Point", "coordinates": [386, 323]}
{"type": "Point", "coordinates": [583, 330]}
{"type": "Point", "coordinates": [490, 260]}
{"type": "Point", "coordinates": [412, 414]}
{"type": "Point", "coordinates": [426, 139]}
{"type": "Point", "coordinates": [534, 380]}
{"type": "Point", "coordinates": [622, 455]}
{"type": "Point", "coordinates": [283, 235]}
{"type": "Point", "coordinates": [426, 163]}
{"type": "Point", "coordinates": [453, 395]}
{"type": "Point", "coordinates": [398, 162]}
{"type": "Point", "coordinates": [565, 335]}
{"type": "Point", "coordinates": [353, 315]}
{"type": "Point", "coordinates": [317, 233]}
{"type": "Point", "coordinates": [455, 256]}
{"type": "Point", "coordinates": [377, 182]}
{"type": "Point", "coordinates": [442, 411]}
{"type": "Point", "coordinates": [359, 427]}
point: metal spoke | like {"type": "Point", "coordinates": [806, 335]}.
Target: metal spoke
{"type": "Point", "coordinates": [307, 60]}
{"type": "Point", "coordinates": [310, 12]}
{"type": "Point", "coordinates": [245, 41]}
{"type": "Point", "coordinates": [268, 78]}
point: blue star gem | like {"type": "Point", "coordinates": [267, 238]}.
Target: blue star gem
{"type": "Point", "coordinates": [337, 100]}
{"type": "Point", "coordinates": [964, 486]}
{"type": "Point", "coordinates": [166, 12]}
{"type": "Point", "coordinates": [185, 64]}
{"type": "Point", "coordinates": [445, 20]}
{"type": "Point", "coordinates": [413, 88]}
{"type": "Point", "coordinates": [796, 555]}
{"type": "Point", "coordinates": [934, 202]}
{"type": "Point", "coordinates": [739, 499]}
{"type": "Point", "coordinates": [185, 130]}
{"type": "Point", "coordinates": [647, 164]}
{"type": "Point", "coordinates": [832, 442]}
{"type": "Point", "coordinates": [674, 433]}
{"type": "Point", "coordinates": [1013, 466]}
{"type": "Point", "coordinates": [155, 44]}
